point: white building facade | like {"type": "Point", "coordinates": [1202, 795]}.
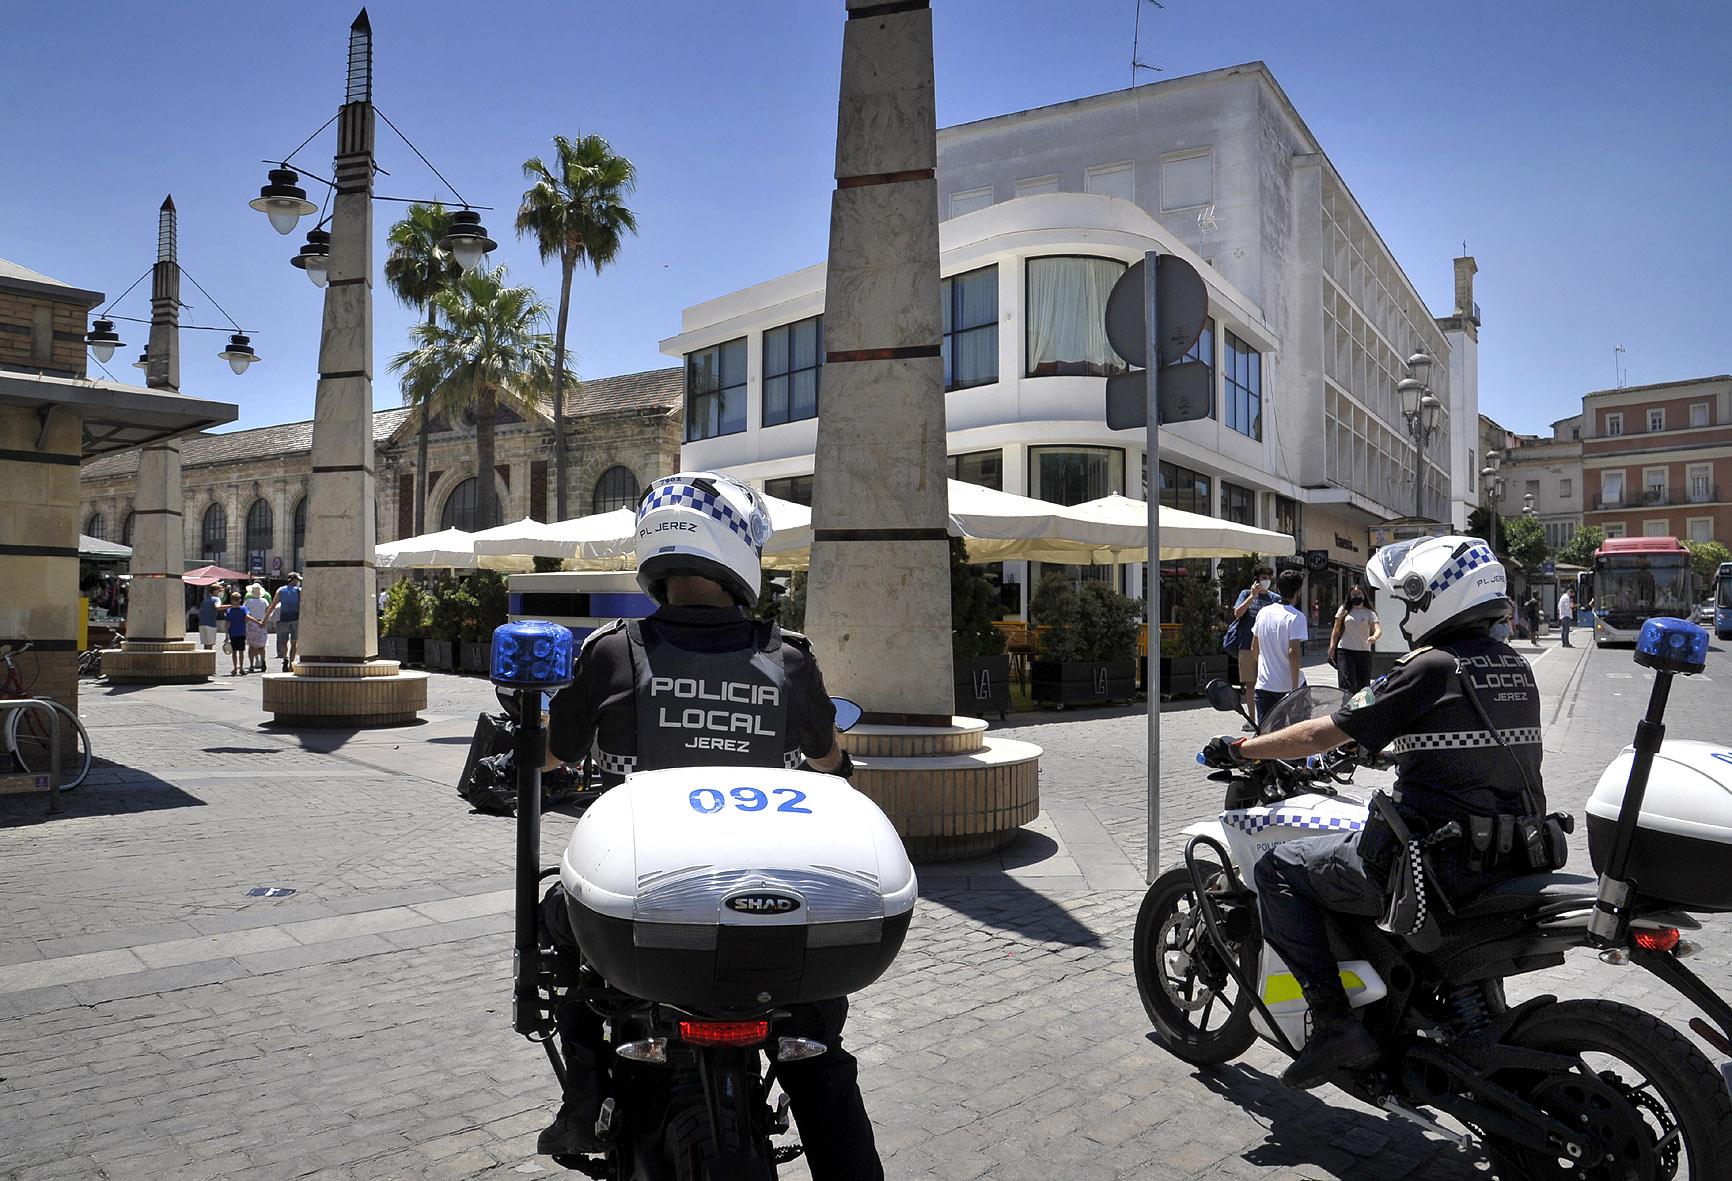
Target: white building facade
{"type": "Point", "coordinates": [1310, 323]}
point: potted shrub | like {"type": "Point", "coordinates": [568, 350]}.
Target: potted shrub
{"type": "Point", "coordinates": [403, 625]}
{"type": "Point", "coordinates": [445, 625]}
{"type": "Point", "coordinates": [1089, 645]}
{"type": "Point", "coordinates": [1192, 658]}
{"type": "Point", "coordinates": [487, 591]}
{"type": "Point", "coordinates": [976, 647]}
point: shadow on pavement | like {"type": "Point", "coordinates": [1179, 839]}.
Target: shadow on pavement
{"type": "Point", "coordinates": [146, 793]}
{"type": "Point", "coordinates": [1307, 1132]}
{"type": "Point", "coordinates": [324, 740]}
{"type": "Point", "coordinates": [1013, 907]}
{"type": "Point", "coordinates": [1049, 717]}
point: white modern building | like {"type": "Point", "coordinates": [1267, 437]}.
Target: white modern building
{"type": "Point", "coordinates": [1311, 320]}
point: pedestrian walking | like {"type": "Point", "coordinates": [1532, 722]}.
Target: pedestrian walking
{"type": "Point", "coordinates": [1532, 610]}
{"type": "Point", "coordinates": [1357, 630]}
{"type": "Point", "coordinates": [257, 606]}
{"type": "Point", "coordinates": [1251, 600]}
{"type": "Point", "coordinates": [235, 615]}
{"type": "Point", "coordinates": [285, 613]}
{"type": "Point", "coordinates": [209, 605]}
{"type": "Point", "coordinates": [1566, 616]}
{"type": "Point", "coordinates": [1278, 643]}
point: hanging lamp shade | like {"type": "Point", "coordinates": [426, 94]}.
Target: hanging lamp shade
{"type": "Point", "coordinates": [315, 257]}
{"type": "Point", "coordinates": [143, 361]}
{"type": "Point", "coordinates": [283, 200]}
{"type": "Point", "coordinates": [239, 354]}
{"type": "Point", "coordinates": [102, 340]}
{"type": "Point", "coordinates": [467, 239]}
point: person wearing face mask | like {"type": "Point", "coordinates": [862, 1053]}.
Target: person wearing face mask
{"type": "Point", "coordinates": [1356, 633]}
{"type": "Point", "coordinates": [1250, 601]}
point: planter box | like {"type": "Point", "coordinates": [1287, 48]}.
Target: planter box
{"type": "Point", "coordinates": [394, 648]}
{"type": "Point", "coordinates": [440, 655]}
{"type": "Point", "coordinates": [1188, 676]}
{"type": "Point", "coordinates": [983, 685]}
{"type": "Point", "coordinates": [476, 657]}
{"type": "Point", "coordinates": [1082, 682]}
{"type": "Point", "coordinates": [415, 650]}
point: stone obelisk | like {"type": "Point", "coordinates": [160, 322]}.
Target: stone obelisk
{"type": "Point", "coordinates": [156, 650]}
{"type": "Point", "coordinates": [878, 599]}
{"type": "Point", "coordinates": [339, 679]}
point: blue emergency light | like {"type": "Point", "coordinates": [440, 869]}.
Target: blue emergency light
{"type": "Point", "coordinates": [1673, 646]}
{"type": "Point", "coordinates": [531, 654]}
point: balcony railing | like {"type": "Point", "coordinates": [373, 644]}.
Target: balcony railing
{"type": "Point", "coordinates": [1660, 497]}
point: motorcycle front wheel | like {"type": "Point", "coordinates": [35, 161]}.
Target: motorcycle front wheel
{"type": "Point", "coordinates": [1655, 1104]}
{"type": "Point", "coordinates": [1197, 1008]}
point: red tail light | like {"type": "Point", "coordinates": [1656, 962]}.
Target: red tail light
{"type": "Point", "coordinates": [724, 1033]}
{"type": "Point", "coordinates": [1656, 938]}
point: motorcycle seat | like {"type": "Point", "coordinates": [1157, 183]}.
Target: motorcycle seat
{"type": "Point", "coordinates": [1525, 893]}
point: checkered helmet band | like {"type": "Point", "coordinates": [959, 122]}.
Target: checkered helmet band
{"type": "Point", "coordinates": [754, 531]}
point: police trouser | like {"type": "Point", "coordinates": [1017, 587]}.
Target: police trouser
{"type": "Point", "coordinates": [1300, 882]}
{"type": "Point", "coordinates": [823, 1091]}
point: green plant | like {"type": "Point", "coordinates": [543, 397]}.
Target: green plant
{"type": "Point", "coordinates": [416, 270]}
{"type": "Point", "coordinates": [1524, 541]}
{"type": "Point", "coordinates": [1056, 608]}
{"type": "Point", "coordinates": [1579, 550]}
{"type": "Point", "coordinates": [405, 615]}
{"type": "Point", "coordinates": [1705, 560]}
{"type": "Point", "coordinates": [546, 565]}
{"type": "Point", "coordinates": [451, 604]}
{"type": "Point", "coordinates": [1107, 623]}
{"type": "Point", "coordinates": [973, 607]}
{"type": "Point", "coordinates": [1196, 603]}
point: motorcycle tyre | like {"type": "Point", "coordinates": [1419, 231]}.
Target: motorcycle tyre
{"type": "Point", "coordinates": [1177, 1035]}
{"type": "Point", "coordinates": [1693, 1090]}
{"type": "Point", "coordinates": [691, 1151]}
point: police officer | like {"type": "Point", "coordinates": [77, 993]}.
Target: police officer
{"type": "Point", "coordinates": [1461, 715]}
{"type": "Point", "coordinates": [698, 683]}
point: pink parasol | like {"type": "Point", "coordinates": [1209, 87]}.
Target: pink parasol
{"type": "Point", "coordinates": [210, 575]}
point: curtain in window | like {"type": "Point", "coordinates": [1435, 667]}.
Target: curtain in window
{"type": "Point", "coordinates": [1067, 299]}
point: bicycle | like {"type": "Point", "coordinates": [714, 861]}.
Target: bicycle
{"type": "Point", "coordinates": [27, 731]}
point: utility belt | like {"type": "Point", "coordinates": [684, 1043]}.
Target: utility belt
{"type": "Point", "coordinates": [1506, 841]}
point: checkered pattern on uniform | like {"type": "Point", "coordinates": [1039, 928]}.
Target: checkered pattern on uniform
{"type": "Point", "coordinates": [791, 759]}
{"type": "Point", "coordinates": [612, 764]}
{"type": "Point", "coordinates": [691, 496]}
{"type": "Point", "coordinates": [1464, 740]}
{"type": "Point", "coordinates": [1247, 822]}
{"type": "Point", "coordinates": [1475, 557]}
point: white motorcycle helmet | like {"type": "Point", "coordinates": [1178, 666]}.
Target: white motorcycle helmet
{"type": "Point", "coordinates": [704, 524]}
{"type": "Point", "coordinates": [1445, 582]}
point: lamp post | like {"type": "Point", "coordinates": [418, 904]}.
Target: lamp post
{"type": "Point", "coordinates": [1494, 487]}
{"type": "Point", "coordinates": [1421, 411]}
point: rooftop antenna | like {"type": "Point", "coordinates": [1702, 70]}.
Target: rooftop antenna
{"type": "Point", "coordinates": [1137, 63]}
{"type": "Point", "coordinates": [1618, 370]}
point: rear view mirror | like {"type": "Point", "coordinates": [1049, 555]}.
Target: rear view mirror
{"type": "Point", "coordinates": [1223, 696]}
{"type": "Point", "coordinates": [847, 713]}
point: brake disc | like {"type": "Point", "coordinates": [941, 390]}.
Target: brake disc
{"type": "Point", "coordinates": [1606, 1115]}
{"type": "Point", "coordinates": [1176, 934]}
{"type": "Point", "coordinates": [1668, 1142]}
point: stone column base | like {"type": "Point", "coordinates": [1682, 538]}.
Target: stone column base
{"type": "Point", "coordinates": [377, 693]}
{"type": "Point", "coordinates": [951, 792]}
{"type": "Point", "coordinates": [174, 662]}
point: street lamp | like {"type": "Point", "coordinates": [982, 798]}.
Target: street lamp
{"type": "Point", "coordinates": [467, 239]}
{"type": "Point", "coordinates": [239, 354]}
{"type": "Point", "coordinates": [102, 340]}
{"type": "Point", "coordinates": [283, 200]}
{"type": "Point", "coordinates": [1494, 487]}
{"type": "Point", "coordinates": [1421, 412]}
{"type": "Point", "coordinates": [315, 257]}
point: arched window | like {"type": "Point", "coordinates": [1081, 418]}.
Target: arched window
{"type": "Point", "coordinates": [258, 535]}
{"type": "Point", "coordinates": [126, 528]}
{"type": "Point", "coordinates": [617, 488]}
{"type": "Point", "coordinates": [93, 527]}
{"type": "Point", "coordinates": [461, 507]}
{"type": "Point", "coordinates": [300, 538]}
{"type": "Point", "coordinates": [213, 534]}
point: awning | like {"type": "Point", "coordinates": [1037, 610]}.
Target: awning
{"type": "Point", "coordinates": [115, 416]}
{"type": "Point", "coordinates": [448, 549]}
{"type": "Point", "coordinates": [96, 550]}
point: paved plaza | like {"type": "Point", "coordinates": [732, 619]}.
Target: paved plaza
{"type": "Point", "coordinates": [162, 1021]}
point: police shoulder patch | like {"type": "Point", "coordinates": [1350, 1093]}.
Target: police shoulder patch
{"type": "Point", "coordinates": [1413, 653]}
{"type": "Point", "coordinates": [606, 629]}
{"type": "Point", "coordinates": [798, 639]}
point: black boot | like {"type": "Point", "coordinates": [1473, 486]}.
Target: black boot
{"type": "Point", "coordinates": [572, 1132]}
{"type": "Point", "coordinates": [1338, 1040]}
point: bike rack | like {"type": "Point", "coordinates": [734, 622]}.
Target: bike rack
{"type": "Point", "coordinates": [48, 706]}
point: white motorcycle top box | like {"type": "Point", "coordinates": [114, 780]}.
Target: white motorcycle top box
{"type": "Point", "coordinates": [1682, 852]}
{"type": "Point", "coordinates": [731, 888]}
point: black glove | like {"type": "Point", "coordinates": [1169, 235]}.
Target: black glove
{"type": "Point", "coordinates": [1223, 753]}
{"type": "Point", "coordinates": [845, 769]}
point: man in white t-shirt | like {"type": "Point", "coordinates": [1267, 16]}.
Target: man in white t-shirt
{"type": "Point", "coordinates": [1277, 639]}
{"type": "Point", "coordinates": [1566, 615]}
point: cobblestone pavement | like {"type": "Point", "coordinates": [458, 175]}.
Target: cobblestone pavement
{"type": "Point", "coordinates": [161, 1022]}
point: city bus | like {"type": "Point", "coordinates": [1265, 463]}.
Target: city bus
{"type": "Point", "coordinates": [1723, 601]}
{"type": "Point", "coordinates": [1636, 579]}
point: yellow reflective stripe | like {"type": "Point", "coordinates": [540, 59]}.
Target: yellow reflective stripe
{"type": "Point", "coordinates": [1284, 986]}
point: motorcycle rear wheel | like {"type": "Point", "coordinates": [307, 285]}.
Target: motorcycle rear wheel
{"type": "Point", "coordinates": [1181, 979]}
{"type": "Point", "coordinates": [1671, 1087]}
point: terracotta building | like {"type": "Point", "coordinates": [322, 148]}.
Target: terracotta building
{"type": "Point", "coordinates": [1657, 460]}
{"type": "Point", "coordinates": [245, 491]}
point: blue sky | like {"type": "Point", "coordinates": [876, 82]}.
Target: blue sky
{"type": "Point", "coordinates": [1579, 148]}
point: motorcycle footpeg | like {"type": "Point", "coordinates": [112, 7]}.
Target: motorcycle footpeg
{"type": "Point", "coordinates": [604, 1121]}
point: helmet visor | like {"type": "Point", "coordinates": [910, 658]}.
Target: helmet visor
{"type": "Point", "coordinates": [1386, 561]}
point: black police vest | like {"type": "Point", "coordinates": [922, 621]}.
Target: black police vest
{"type": "Point", "coordinates": [707, 708]}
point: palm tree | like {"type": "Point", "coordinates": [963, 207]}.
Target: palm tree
{"type": "Point", "coordinates": [485, 347]}
{"type": "Point", "coordinates": [416, 270]}
{"type": "Point", "coordinates": [576, 213]}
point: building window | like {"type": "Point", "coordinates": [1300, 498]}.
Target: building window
{"type": "Point", "coordinates": [1566, 487]}
{"type": "Point", "coordinates": [1034, 186]}
{"type": "Point", "coordinates": [1183, 488]}
{"type": "Point", "coordinates": [1700, 483]}
{"type": "Point", "coordinates": [1700, 528]}
{"type": "Point", "coordinates": [716, 390]}
{"type": "Point", "coordinates": [1204, 351]}
{"type": "Point", "coordinates": [1614, 425]}
{"type": "Point", "coordinates": [1611, 489]}
{"type": "Point", "coordinates": [1238, 505]}
{"type": "Point", "coordinates": [1187, 179]}
{"type": "Point", "coordinates": [1242, 386]}
{"type": "Point", "coordinates": [969, 201]}
{"type": "Point", "coordinates": [126, 528]}
{"type": "Point", "coordinates": [1112, 180]}
{"type": "Point", "coordinates": [970, 304]}
{"type": "Point", "coordinates": [795, 488]}
{"type": "Point", "coordinates": [538, 489]}
{"type": "Point", "coordinates": [300, 534]}
{"type": "Point", "coordinates": [1654, 485]}
{"type": "Point", "coordinates": [1067, 300]}
{"type": "Point", "coordinates": [259, 524]}
{"type": "Point", "coordinates": [1660, 528]}
{"type": "Point", "coordinates": [1614, 529]}
{"type": "Point", "coordinates": [1072, 475]}
{"type": "Point", "coordinates": [1531, 488]}
{"type": "Point", "coordinates": [1472, 473]}
{"type": "Point", "coordinates": [94, 526]}
{"type": "Point", "coordinates": [1656, 418]}
{"type": "Point", "coordinates": [213, 534]}
{"type": "Point", "coordinates": [1287, 516]}
{"type": "Point", "coordinates": [461, 506]}
{"type": "Point", "coordinates": [1698, 414]}
{"type": "Point", "coordinates": [792, 356]}
{"type": "Point", "coordinates": [985, 468]}
{"type": "Point", "coordinates": [617, 488]}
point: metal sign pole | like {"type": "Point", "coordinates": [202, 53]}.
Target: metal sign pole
{"type": "Point", "coordinates": [1152, 581]}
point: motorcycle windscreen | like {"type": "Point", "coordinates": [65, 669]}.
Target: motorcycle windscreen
{"type": "Point", "coordinates": [1301, 705]}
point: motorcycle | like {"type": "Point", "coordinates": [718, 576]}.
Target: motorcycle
{"type": "Point", "coordinates": [705, 901]}
{"type": "Point", "coordinates": [1548, 1088]}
